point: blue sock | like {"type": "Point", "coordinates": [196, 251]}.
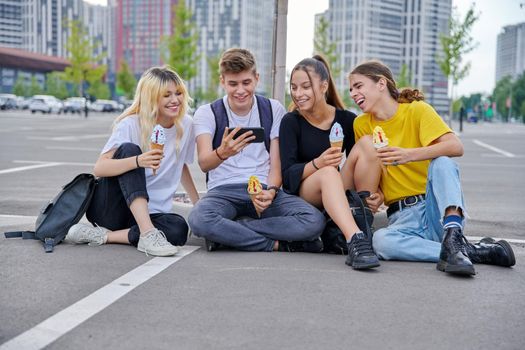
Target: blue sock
{"type": "Point", "coordinates": [452, 221]}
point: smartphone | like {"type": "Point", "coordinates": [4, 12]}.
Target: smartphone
{"type": "Point", "coordinates": [258, 132]}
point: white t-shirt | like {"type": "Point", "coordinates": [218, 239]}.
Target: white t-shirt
{"type": "Point", "coordinates": [254, 159]}
{"type": "Point", "coordinates": [162, 186]}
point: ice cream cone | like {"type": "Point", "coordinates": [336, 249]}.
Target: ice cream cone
{"type": "Point", "coordinates": [157, 140]}
{"type": "Point", "coordinates": [254, 188]}
{"type": "Point", "coordinates": [338, 144]}
{"type": "Point", "coordinates": [252, 197]}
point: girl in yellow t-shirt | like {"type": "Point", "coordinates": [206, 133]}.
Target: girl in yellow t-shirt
{"type": "Point", "coordinates": [421, 182]}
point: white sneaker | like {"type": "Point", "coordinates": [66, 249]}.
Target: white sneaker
{"type": "Point", "coordinates": [155, 243]}
{"type": "Point", "coordinates": [83, 233]}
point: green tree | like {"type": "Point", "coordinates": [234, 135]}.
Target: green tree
{"type": "Point", "coordinates": [35, 88]}
{"type": "Point", "coordinates": [81, 56]}
{"type": "Point", "coordinates": [518, 95]}
{"type": "Point", "coordinates": [20, 87]}
{"type": "Point", "coordinates": [326, 48]}
{"type": "Point", "coordinates": [405, 77]}
{"type": "Point", "coordinates": [455, 45]}
{"type": "Point", "coordinates": [179, 50]}
{"type": "Point", "coordinates": [126, 81]}
{"type": "Point", "coordinates": [56, 86]}
{"type": "Point", "coordinates": [99, 89]}
{"type": "Point", "coordinates": [501, 93]}
{"type": "Point", "coordinates": [522, 111]}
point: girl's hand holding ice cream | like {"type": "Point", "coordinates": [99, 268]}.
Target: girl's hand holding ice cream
{"type": "Point", "coordinates": [157, 141]}
{"type": "Point", "coordinates": [331, 157]}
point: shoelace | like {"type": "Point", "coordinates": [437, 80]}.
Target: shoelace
{"type": "Point", "coordinates": [96, 233]}
{"type": "Point", "coordinates": [363, 246]}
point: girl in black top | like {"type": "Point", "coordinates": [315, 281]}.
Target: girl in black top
{"type": "Point", "coordinates": [310, 167]}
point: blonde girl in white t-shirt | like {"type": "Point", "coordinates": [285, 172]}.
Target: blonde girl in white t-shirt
{"type": "Point", "coordinates": [132, 202]}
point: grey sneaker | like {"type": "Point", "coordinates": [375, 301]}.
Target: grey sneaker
{"type": "Point", "coordinates": [84, 233]}
{"type": "Point", "coordinates": [155, 243]}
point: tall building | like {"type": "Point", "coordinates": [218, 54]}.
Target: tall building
{"type": "Point", "coordinates": [45, 25]}
{"type": "Point", "coordinates": [397, 32]}
{"type": "Point", "coordinates": [140, 26]}
{"type": "Point", "coordinates": [11, 23]}
{"type": "Point", "coordinates": [233, 23]}
{"type": "Point", "coordinates": [510, 52]}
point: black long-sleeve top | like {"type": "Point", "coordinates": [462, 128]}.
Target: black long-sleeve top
{"type": "Point", "coordinates": [300, 142]}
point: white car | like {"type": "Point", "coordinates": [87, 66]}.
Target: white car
{"type": "Point", "coordinates": [46, 104]}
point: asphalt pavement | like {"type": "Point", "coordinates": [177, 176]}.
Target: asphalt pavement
{"type": "Point", "coordinates": [112, 296]}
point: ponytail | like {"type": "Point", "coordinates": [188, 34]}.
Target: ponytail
{"type": "Point", "coordinates": [376, 70]}
{"type": "Point", "coordinates": [320, 66]}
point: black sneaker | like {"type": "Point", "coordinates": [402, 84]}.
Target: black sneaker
{"type": "Point", "coordinates": [360, 253]}
{"type": "Point", "coordinates": [453, 257]}
{"type": "Point", "coordinates": [211, 246]}
{"type": "Point", "coordinates": [490, 251]}
{"type": "Point", "coordinates": [315, 246]}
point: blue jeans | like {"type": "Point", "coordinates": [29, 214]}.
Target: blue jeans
{"type": "Point", "coordinates": [289, 218]}
{"type": "Point", "coordinates": [109, 207]}
{"type": "Point", "coordinates": [415, 233]}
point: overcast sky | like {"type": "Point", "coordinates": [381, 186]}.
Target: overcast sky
{"type": "Point", "coordinates": [494, 15]}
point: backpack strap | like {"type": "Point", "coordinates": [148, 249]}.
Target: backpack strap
{"type": "Point", "coordinates": [266, 117]}
{"type": "Point", "coordinates": [221, 121]}
{"type": "Point", "coordinates": [20, 234]}
{"type": "Point", "coordinates": [49, 245]}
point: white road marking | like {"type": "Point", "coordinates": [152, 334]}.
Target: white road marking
{"type": "Point", "coordinates": [74, 148]}
{"type": "Point", "coordinates": [495, 149]}
{"type": "Point", "coordinates": [64, 321]}
{"type": "Point", "coordinates": [59, 163]}
{"type": "Point", "coordinates": [29, 167]}
{"type": "Point", "coordinates": [8, 216]}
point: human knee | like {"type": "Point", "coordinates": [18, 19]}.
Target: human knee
{"type": "Point", "coordinates": [442, 164]}
{"type": "Point", "coordinates": [201, 219]}
{"type": "Point", "coordinates": [329, 172]}
{"type": "Point", "coordinates": [127, 149]}
{"type": "Point", "coordinates": [383, 244]}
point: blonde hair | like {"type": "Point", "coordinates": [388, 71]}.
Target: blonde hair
{"type": "Point", "coordinates": [152, 85]}
{"type": "Point", "coordinates": [376, 70]}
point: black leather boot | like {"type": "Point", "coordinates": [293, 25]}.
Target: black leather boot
{"type": "Point", "coordinates": [453, 257]}
{"type": "Point", "coordinates": [489, 251]}
{"type": "Point", "coordinates": [360, 253]}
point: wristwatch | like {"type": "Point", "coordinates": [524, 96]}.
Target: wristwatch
{"type": "Point", "coordinates": [277, 189]}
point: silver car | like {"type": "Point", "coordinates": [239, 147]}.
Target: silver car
{"type": "Point", "coordinates": [46, 104]}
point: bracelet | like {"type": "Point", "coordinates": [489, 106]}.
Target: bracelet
{"type": "Point", "coordinates": [217, 153]}
{"type": "Point", "coordinates": [137, 161]}
{"type": "Point", "coordinates": [315, 166]}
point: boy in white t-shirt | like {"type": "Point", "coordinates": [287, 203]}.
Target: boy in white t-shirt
{"type": "Point", "coordinates": [133, 200]}
{"type": "Point", "coordinates": [287, 222]}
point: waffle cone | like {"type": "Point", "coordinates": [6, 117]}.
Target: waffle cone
{"type": "Point", "coordinates": [252, 197]}
{"type": "Point", "coordinates": [338, 144]}
{"type": "Point", "coordinates": [156, 146]}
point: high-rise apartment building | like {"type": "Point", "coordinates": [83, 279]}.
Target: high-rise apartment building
{"type": "Point", "coordinates": [11, 23]}
{"type": "Point", "coordinates": [44, 25]}
{"type": "Point", "coordinates": [510, 52]}
{"type": "Point", "coordinates": [140, 26]}
{"type": "Point", "coordinates": [397, 32]}
{"type": "Point", "coordinates": [233, 23]}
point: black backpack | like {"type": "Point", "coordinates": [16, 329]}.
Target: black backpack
{"type": "Point", "coordinates": [333, 239]}
{"type": "Point", "coordinates": [62, 212]}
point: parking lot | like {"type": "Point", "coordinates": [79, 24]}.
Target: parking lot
{"type": "Point", "coordinates": [115, 297]}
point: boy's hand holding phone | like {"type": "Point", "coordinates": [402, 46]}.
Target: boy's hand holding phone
{"type": "Point", "coordinates": [230, 146]}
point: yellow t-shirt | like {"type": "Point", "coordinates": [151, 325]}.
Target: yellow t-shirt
{"type": "Point", "coordinates": [414, 125]}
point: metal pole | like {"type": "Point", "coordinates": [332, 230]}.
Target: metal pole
{"type": "Point", "coordinates": [279, 49]}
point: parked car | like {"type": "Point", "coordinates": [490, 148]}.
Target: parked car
{"type": "Point", "coordinates": [7, 101]}
{"type": "Point", "coordinates": [74, 105]}
{"type": "Point", "coordinates": [46, 104]}
{"type": "Point", "coordinates": [22, 102]}
{"type": "Point", "coordinates": [106, 106]}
